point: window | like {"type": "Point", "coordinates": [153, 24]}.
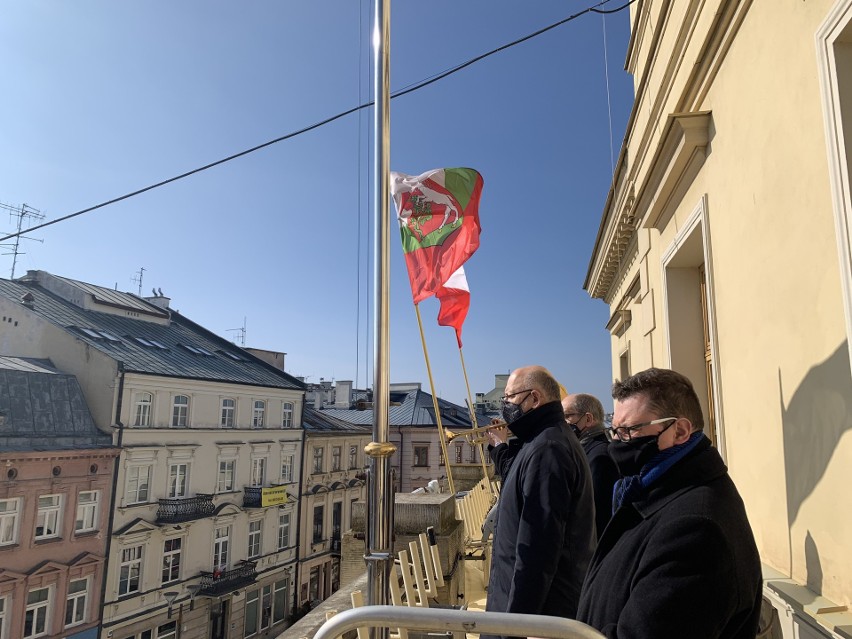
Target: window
{"type": "Point", "coordinates": [319, 515]}
{"type": "Point", "coordinates": [229, 407]}
{"type": "Point", "coordinates": [286, 468]}
{"type": "Point", "coordinates": [353, 457]}
{"type": "Point", "coordinates": [258, 609]}
{"type": "Point", "coordinates": [257, 415]}
{"type": "Point", "coordinates": [178, 480]}
{"type": "Point", "coordinates": [318, 461]}
{"type": "Point", "coordinates": [287, 416]}
{"type": "Point", "coordinates": [2, 617]}
{"type": "Point", "coordinates": [254, 538]}
{"type": "Point", "coordinates": [167, 630]}
{"type": "Point", "coordinates": [180, 411]}
{"type": "Point", "coordinates": [35, 620]}
{"type": "Point", "coordinates": [336, 453]}
{"type": "Point", "coordinates": [459, 454]}
{"type": "Point", "coordinates": [279, 601]}
{"type": "Point", "coordinates": [75, 606]}
{"type": "Point", "coordinates": [472, 454]}
{"type": "Point", "coordinates": [258, 471]}
{"type": "Point", "coordinates": [221, 541]}
{"type": "Point", "coordinates": [283, 530]}
{"type": "Point", "coordinates": [8, 523]}
{"type": "Point", "coordinates": [138, 481]}
{"type": "Point", "coordinates": [314, 587]}
{"type": "Point", "coordinates": [227, 468]}
{"type": "Point", "coordinates": [129, 570]}
{"type": "Point", "coordinates": [171, 559]}
{"type": "Point", "coordinates": [47, 520]}
{"type": "Point", "coordinates": [421, 455]}
{"type": "Point", "coordinates": [441, 457]}
{"type": "Point", "coordinates": [87, 511]}
{"type": "Point", "coordinates": [143, 410]}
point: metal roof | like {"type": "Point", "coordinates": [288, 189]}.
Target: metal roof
{"type": "Point", "coordinates": [180, 348]}
{"type": "Point", "coordinates": [319, 421]}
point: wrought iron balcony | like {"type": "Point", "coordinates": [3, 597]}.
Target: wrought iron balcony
{"type": "Point", "coordinates": [217, 583]}
{"type": "Point", "coordinates": [180, 509]}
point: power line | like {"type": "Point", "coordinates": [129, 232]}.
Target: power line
{"type": "Point", "coordinates": [398, 94]}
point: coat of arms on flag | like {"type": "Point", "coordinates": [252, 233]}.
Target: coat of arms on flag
{"type": "Point", "coordinates": [438, 214]}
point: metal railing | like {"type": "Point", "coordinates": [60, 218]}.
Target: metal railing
{"type": "Point", "coordinates": [180, 509]}
{"type": "Point", "coordinates": [218, 583]}
{"type": "Point", "coordinates": [437, 620]}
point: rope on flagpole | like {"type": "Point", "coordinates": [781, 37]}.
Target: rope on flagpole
{"type": "Point", "coordinates": [441, 433]}
{"type": "Point", "coordinates": [474, 424]}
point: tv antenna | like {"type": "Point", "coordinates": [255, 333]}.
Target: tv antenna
{"type": "Point", "coordinates": [23, 212]}
{"type": "Point", "coordinates": [240, 337]}
{"type": "Point", "coordinates": [137, 278]}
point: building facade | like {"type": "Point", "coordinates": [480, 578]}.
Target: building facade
{"type": "Point", "coordinates": [200, 541]}
{"type": "Point", "coordinates": [54, 504]}
{"type": "Point", "coordinates": [724, 253]}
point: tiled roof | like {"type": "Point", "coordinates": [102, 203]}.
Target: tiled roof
{"type": "Point", "coordinates": [416, 409]}
{"type": "Point", "coordinates": [44, 411]}
{"type": "Point", "coordinates": [179, 348]}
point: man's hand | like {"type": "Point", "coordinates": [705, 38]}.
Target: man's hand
{"type": "Point", "coordinates": [498, 435]}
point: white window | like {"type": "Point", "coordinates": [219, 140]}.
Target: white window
{"type": "Point", "coordinates": [228, 409]}
{"type": "Point", "coordinates": [287, 415]}
{"type": "Point", "coordinates": [180, 411]}
{"type": "Point", "coordinates": [254, 538]}
{"type": "Point", "coordinates": [227, 470]}
{"type": "Point", "coordinates": [258, 414]}
{"type": "Point", "coordinates": [221, 541]}
{"type": "Point", "coordinates": [171, 559]}
{"type": "Point", "coordinates": [75, 606]}
{"type": "Point", "coordinates": [138, 483]}
{"type": "Point", "coordinates": [143, 410]}
{"type": "Point", "coordinates": [35, 619]}
{"type": "Point", "coordinates": [87, 511]}
{"type": "Point", "coordinates": [283, 530]}
{"type": "Point", "coordinates": [336, 454]}
{"type": "Point", "coordinates": [47, 520]}
{"type": "Point", "coordinates": [286, 468]}
{"type": "Point", "coordinates": [8, 524]}
{"type": "Point", "coordinates": [318, 459]}
{"type": "Point", "coordinates": [129, 570]}
{"type": "Point", "coordinates": [2, 617]}
{"type": "Point", "coordinates": [167, 630]}
{"type": "Point", "coordinates": [353, 457]}
{"type": "Point", "coordinates": [258, 471]}
{"type": "Point", "coordinates": [178, 480]}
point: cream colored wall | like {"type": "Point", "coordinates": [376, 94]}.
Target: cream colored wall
{"type": "Point", "coordinates": [783, 358]}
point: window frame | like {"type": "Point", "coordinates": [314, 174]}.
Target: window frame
{"type": "Point", "coordinates": [130, 557]}
{"type": "Point", "coordinates": [318, 526]}
{"type": "Point", "coordinates": [143, 410]}
{"type": "Point", "coordinates": [172, 560]}
{"type": "Point", "coordinates": [258, 480]}
{"type": "Point", "coordinates": [336, 458]}
{"type": "Point", "coordinates": [288, 461]}
{"type": "Point", "coordinates": [319, 460]}
{"type": "Point", "coordinates": [74, 601]}
{"type": "Point", "coordinates": [91, 508]}
{"type": "Point", "coordinates": [34, 608]}
{"type": "Point", "coordinates": [284, 530]}
{"type": "Point", "coordinates": [255, 539]}
{"type": "Point", "coordinates": [11, 528]}
{"type": "Point", "coordinates": [174, 486]}
{"type": "Point", "coordinates": [258, 414]}
{"type": "Point", "coordinates": [227, 414]}
{"type": "Point", "coordinates": [180, 411]}
{"type": "Point", "coordinates": [221, 548]}
{"type": "Point", "coordinates": [288, 410]}
{"type": "Point", "coordinates": [54, 512]}
{"type": "Point", "coordinates": [353, 457]}
{"type": "Point", "coordinates": [137, 490]}
{"type": "Point", "coordinates": [223, 485]}
{"type": "Point", "coordinates": [421, 455]}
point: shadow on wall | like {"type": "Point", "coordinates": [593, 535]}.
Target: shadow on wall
{"type": "Point", "coordinates": [813, 564]}
{"type": "Point", "coordinates": [817, 415]}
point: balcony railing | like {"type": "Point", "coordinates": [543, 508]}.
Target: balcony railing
{"type": "Point", "coordinates": [253, 496]}
{"type": "Point", "coordinates": [179, 509]}
{"type": "Point", "coordinates": [216, 583]}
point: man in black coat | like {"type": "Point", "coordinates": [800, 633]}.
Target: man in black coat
{"type": "Point", "coordinates": [584, 415]}
{"type": "Point", "coordinates": [678, 558]}
{"type": "Point", "coordinates": [545, 521]}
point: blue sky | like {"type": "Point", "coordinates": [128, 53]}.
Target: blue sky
{"type": "Point", "coordinates": [102, 98]}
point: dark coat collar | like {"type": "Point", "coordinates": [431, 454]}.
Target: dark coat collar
{"type": "Point", "coordinates": [701, 466]}
{"type": "Point", "coordinates": [532, 423]}
{"type": "Point", "coordinates": [592, 432]}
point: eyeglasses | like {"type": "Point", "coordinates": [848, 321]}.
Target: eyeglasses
{"type": "Point", "coordinates": [570, 415]}
{"type": "Point", "coordinates": [625, 433]}
{"type": "Point", "coordinates": [508, 396]}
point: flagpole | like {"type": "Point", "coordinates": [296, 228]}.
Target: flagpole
{"type": "Point", "coordinates": [473, 422]}
{"type": "Point", "coordinates": [380, 501]}
{"type": "Point", "coordinates": [442, 435]}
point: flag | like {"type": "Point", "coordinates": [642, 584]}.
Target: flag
{"type": "Point", "coordinates": [454, 296]}
{"type": "Point", "coordinates": [438, 215]}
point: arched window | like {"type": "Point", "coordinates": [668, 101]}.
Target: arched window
{"type": "Point", "coordinates": [180, 411]}
{"type": "Point", "coordinates": [287, 419]}
{"type": "Point", "coordinates": [143, 410]}
{"type": "Point", "coordinates": [228, 409]}
{"type": "Point", "coordinates": [257, 416]}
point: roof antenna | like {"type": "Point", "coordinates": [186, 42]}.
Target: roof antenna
{"type": "Point", "coordinates": [137, 279]}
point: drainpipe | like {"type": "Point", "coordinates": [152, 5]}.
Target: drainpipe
{"type": "Point", "coordinates": [298, 571]}
{"type": "Point", "coordinates": [111, 518]}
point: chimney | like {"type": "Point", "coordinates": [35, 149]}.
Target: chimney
{"type": "Point", "coordinates": [343, 394]}
{"type": "Point", "coordinates": [318, 400]}
{"type": "Point", "coordinates": [159, 299]}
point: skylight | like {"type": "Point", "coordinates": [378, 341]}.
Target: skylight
{"type": "Point", "coordinates": [197, 350]}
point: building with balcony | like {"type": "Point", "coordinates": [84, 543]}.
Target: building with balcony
{"type": "Point", "coordinates": [333, 480]}
{"type": "Point", "coordinates": [54, 504]}
{"type": "Point", "coordinates": [204, 429]}
{"type": "Point", "coordinates": [724, 252]}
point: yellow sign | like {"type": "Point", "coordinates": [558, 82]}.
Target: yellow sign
{"type": "Point", "coordinates": [275, 496]}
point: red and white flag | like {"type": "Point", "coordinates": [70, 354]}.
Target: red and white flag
{"type": "Point", "coordinates": [454, 296]}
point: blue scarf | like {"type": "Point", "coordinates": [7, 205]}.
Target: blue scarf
{"type": "Point", "coordinates": [634, 487]}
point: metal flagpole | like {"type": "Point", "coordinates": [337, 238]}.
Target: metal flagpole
{"type": "Point", "coordinates": [379, 481]}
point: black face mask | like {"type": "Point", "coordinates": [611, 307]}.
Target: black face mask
{"type": "Point", "coordinates": [631, 455]}
{"type": "Point", "coordinates": [576, 430]}
{"type": "Point", "coordinates": [513, 412]}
